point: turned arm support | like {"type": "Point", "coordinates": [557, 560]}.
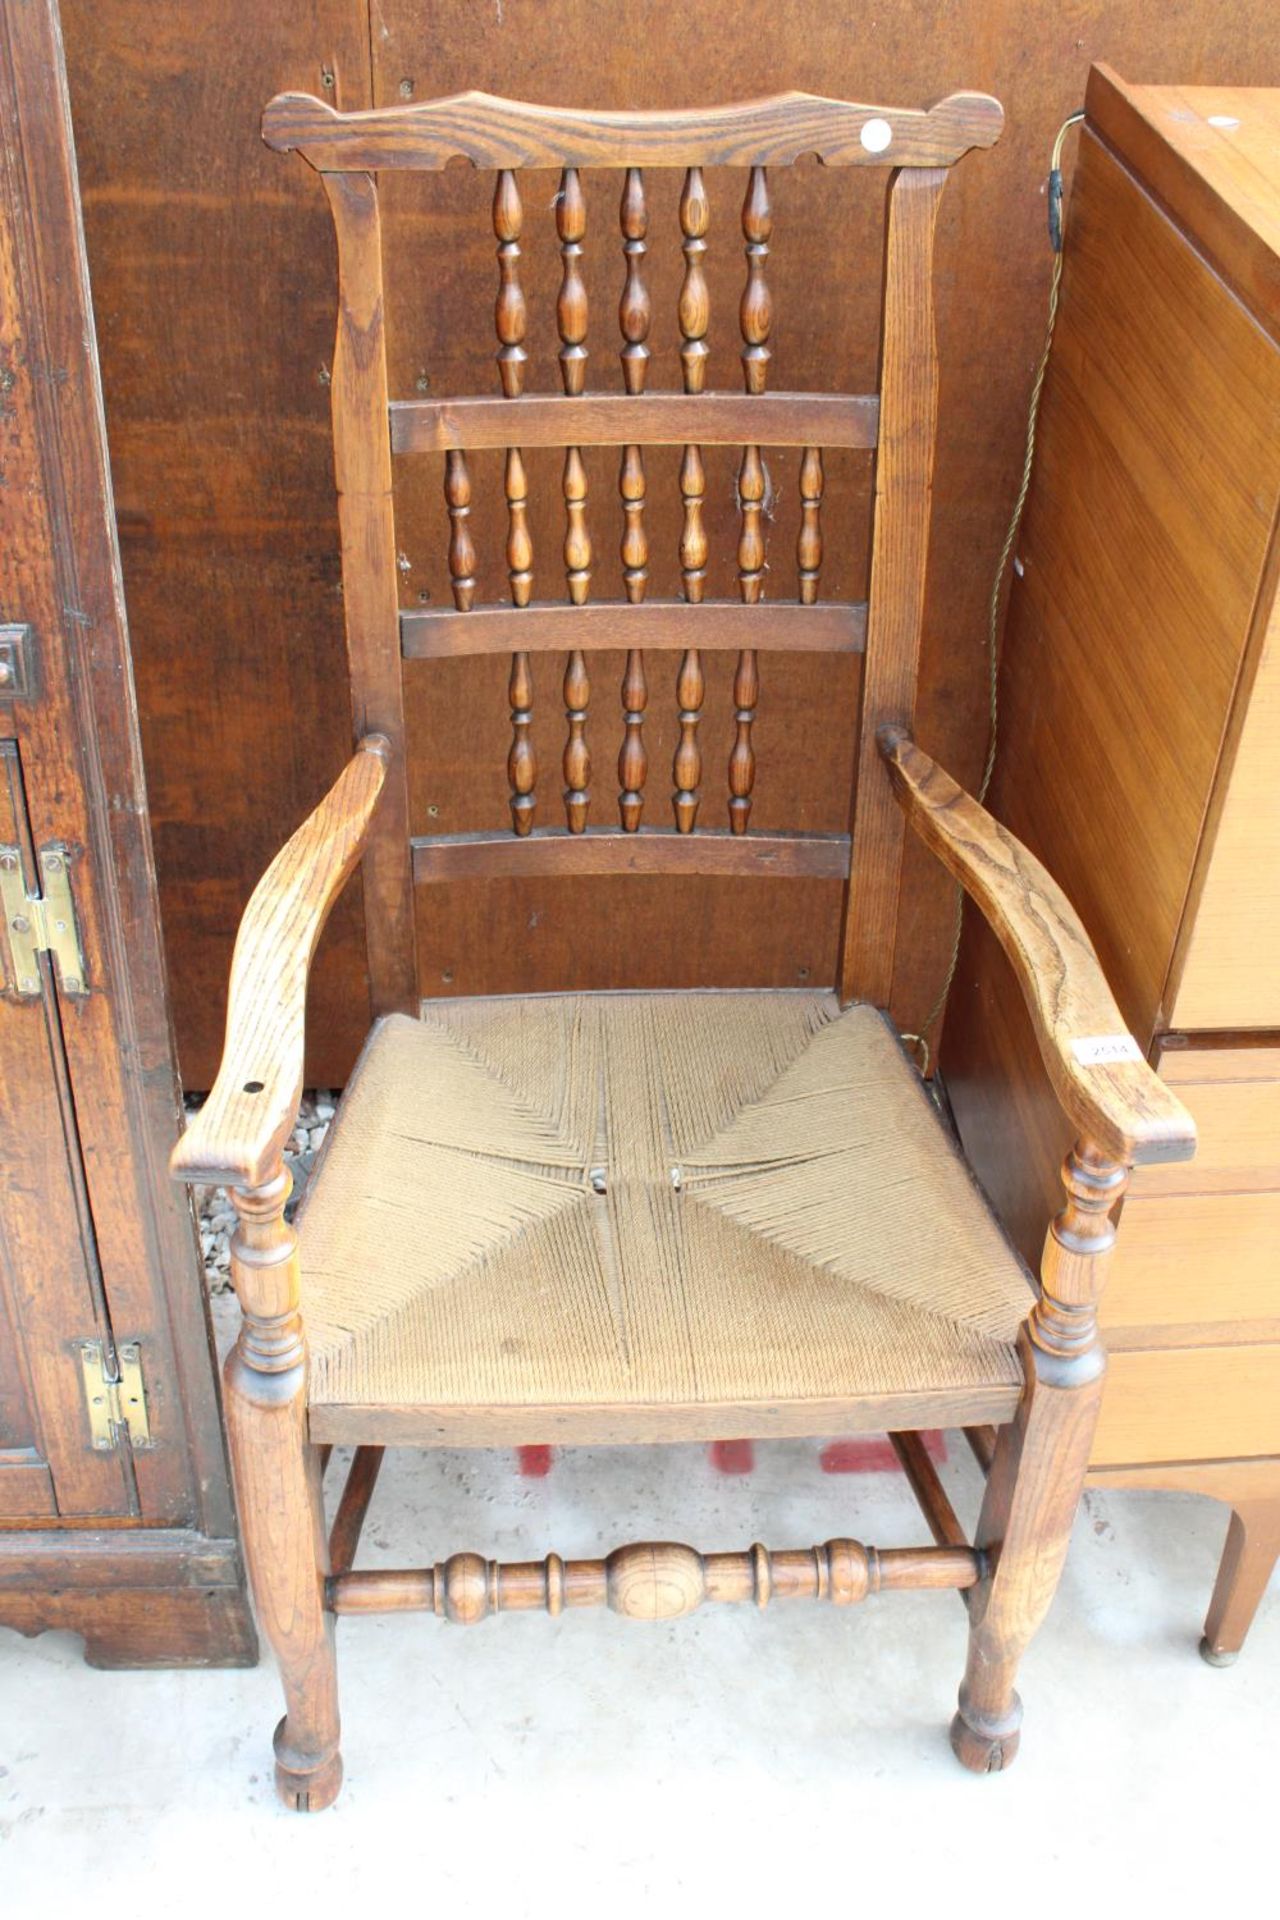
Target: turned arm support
{"type": "Point", "coordinates": [1118, 1103]}
{"type": "Point", "coordinates": [238, 1136]}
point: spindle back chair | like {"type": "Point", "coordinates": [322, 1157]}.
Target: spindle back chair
{"type": "Point", "coordinates": [717, 1215]}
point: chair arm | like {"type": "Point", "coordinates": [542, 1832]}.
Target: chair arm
{"type": "Point", "coordinates": [237, 1137]}
{"type": "Point", "coordinates": [1099, 1075]}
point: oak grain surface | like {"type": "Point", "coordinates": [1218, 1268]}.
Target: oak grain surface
{"type": "Point", "coordinates": [502, 132]}
{"type": "Point", "coordinates": [1102, 1081]}
{"type": "Point", "coordinates": [238, 1134]}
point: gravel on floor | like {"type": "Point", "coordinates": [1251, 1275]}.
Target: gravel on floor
{"type": "Point", "coordinates": [213, 1207]}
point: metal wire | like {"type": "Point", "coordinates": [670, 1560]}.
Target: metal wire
{"type": "Point", "coordinates": [920, 1039]}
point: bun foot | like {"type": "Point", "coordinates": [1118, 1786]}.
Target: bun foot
{"type": "Point", "coordinates": [983, 1743]}
{"type": "Point", "coordinates": [1213, 1658]}
{"type": "Point", "coordinates": [305, 1789]}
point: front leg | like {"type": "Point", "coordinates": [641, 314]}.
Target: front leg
{"type": "Point", "coordinates": [277, 1475]}
{"type": "Point", "coordinates": [1038, 1470]}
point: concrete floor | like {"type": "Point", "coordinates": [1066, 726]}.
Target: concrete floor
{"type": "Point", "coordinates": [792, 1760]}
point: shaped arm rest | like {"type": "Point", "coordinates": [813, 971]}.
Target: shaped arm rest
{"type": "Point", "coordinates": [1099, 1075]}
{"type": "Point", "coordinates": [238, 1135]}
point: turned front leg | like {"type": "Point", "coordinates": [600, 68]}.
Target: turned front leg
{"type": "Point", "coordinates": [277, 1476]}
{"type": "Point", "coordinates": [1038, 1470]}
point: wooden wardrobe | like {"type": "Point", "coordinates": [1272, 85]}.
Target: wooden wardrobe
{"type": "Point", "coordinates": [116, 1516]}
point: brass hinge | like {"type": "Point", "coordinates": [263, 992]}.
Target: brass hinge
{"type": "Point", "coordinates": [114, 1403]}
{"type": "Point", "coordinates": [41, 923]}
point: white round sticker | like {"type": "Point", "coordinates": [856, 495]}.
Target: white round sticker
{"type": "Point", "coordinates": [876, 135]}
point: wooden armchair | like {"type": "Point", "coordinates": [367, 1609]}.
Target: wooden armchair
{"type": "Point", "coordinates": [637, 1217]}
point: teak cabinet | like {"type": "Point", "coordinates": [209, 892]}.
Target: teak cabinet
{"type": "Point", "coordinates": [116, 1517]}
{"type": "Point", "coordinates": [1140, 718]}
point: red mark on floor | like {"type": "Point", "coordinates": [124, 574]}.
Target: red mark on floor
{"type": "Point", "coordinates": [873, 1454]}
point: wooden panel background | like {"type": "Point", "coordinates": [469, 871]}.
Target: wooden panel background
{"type": "Point", "coordinates": [212, 265]}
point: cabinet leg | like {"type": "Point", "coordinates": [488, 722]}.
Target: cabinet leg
{"type": "Point", "coordinates": [1250, 1554]}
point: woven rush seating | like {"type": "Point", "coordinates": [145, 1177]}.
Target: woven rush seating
{"type": "Point", "coordinates": [556, 1207]}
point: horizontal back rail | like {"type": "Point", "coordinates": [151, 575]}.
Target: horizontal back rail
{"type": "Point", "coordinates": [644, 420]}
{"type": "Point", "coordinates": [493, 132]}
{"type": "Point", "coordinates": [555, 852]}
{"type": "Point", "coordinates": [434, 633]}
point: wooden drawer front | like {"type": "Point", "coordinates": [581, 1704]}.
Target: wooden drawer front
{"type": "Point", "coordinates": [1231, 976]}
{"type": "Point", "coordinates": [1196, 1260]}
{"type": "Point", "coordinates": [1190, 1403]}
{"type": "Point", "coordinates": [1234, 1095]}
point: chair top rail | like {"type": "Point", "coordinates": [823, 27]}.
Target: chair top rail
{"type": "Point", "coordinates": [490, 131]}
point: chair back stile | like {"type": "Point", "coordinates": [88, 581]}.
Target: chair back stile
{"type": "Point", "coordinates": [372, 430]}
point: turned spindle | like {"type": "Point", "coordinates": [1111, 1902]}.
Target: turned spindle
{"type": "Point", "coordinates": [751, 489]}
{"type": "Point", "coordinates": [635, 540]}
{"type": "Point", "coordinates": [756, 316]}
{"type": "Point", "coordinates": [577, 759]}
{"type": "Point", "coordinates": [742, 759]}
{"type": "Point", "coordinates": [633, 761]}
{"type": "Point", "coordinates": [695, 302]}
{"type": "Point", "coordinates": [634, 308]}
{"type": "Point", "coordinates": [577, 539]}
{"type": "Point", "coordinates": [510, 316]}
{"type": "Point", "coordinates": [809, 539]}
{"type": "Point", "coordinates": [522, 767]}
{"type": "Point", "coordinates": [519, 542]}
{"type": "Point", "coordinates": [693, 538]}
{"type": "Point", "coordinates": [755, 313]}
{"type": "Point", "coordinates": [688, 761]}
{"type": "Point", "coordinates": [571, 306]}
{"type": "Point", "coordinates": [510, 319]}
{"type": "Point", "coordinates": [510, 313]}
{"type": "Point", "coordinates": [694, 316]}
{"type": "Point", "coordinates": [462, 552]}
{"type": "Point", "coordinates": [654, 1580]}
{"type": "Point", "coordinates": [634, 312]}
{"type": "Point", "coordinates": [571, 318]}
